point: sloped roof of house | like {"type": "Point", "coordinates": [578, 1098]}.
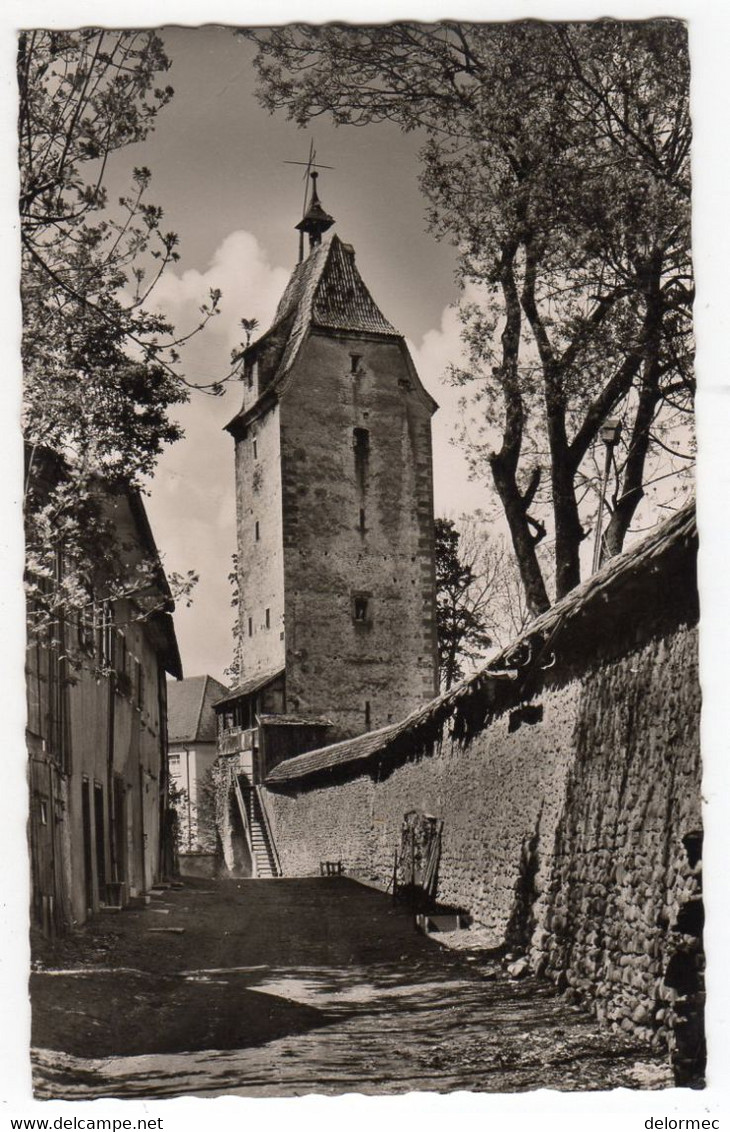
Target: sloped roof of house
{"type": "Point", "coordinates": [248, 687]}
{"type": "Point", "coordinates": [190, 715]}
{"type": "Point", "coordinates": [580, 617]}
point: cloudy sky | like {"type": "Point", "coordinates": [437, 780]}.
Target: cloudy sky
{"type": "Point", "coordinates": [219, 172]}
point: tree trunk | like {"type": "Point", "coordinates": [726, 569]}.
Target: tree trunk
{"type": "Point", "coordinates": [523, 540]}
{"type": "Point", "coordinates": [632, 490]}
{"type": "Point", "coordinates": [505, 462]}
{"type": "Point", "coordinates": [568, 530]}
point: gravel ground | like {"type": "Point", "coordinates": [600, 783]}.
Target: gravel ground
{"type": "Point", "coordinates": [288, 987]}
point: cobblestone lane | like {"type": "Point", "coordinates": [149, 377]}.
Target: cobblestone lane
{"type": "Point", "coordinates": [288, 987]}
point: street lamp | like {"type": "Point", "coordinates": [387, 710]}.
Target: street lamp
{"type": "Point", "coordinates": [609, 433]}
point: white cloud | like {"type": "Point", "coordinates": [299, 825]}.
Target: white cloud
{"type": "Point", "coordinates": [250, 285]}
{"type": "Point", "coordinates": [192, 503]}
{"type": "Point", "coordinates": [454, 492]}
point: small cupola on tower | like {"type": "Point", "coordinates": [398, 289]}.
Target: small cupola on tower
{"type": "Point", "coordinates": [315, 221]}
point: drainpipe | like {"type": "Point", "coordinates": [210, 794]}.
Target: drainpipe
{"type": "Point", "coordinates": [111, 821]}
{"type": "Point", "coordinates": [187, 791]}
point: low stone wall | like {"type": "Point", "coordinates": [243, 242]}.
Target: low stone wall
{"type": "Point", "coordinates": [567, 835]}
{"type": "Point", "coordinates": [492, 796]}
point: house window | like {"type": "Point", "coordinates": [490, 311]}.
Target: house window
{"type": "Point", "coordinates": [86, 630]}
{"type": "Point", "coordinates": [362, 608]}
{"type": "Point", "coordinates": [106, 635]}
{"type": "Point", "coordinates": [123, 666]}
{"type": "Point", "coordinates": [174, 761]}
{"type": "Point", "coordinates": [251, 374]}
{"type": "Point", "coordinates": [139, 684]}
{"type": "Point", "coordinates": [268, 618]}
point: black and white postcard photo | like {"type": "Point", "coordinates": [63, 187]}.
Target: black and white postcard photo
{"type": "Point", "coordinates": [361, 366]}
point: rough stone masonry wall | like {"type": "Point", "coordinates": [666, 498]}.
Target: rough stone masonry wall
{"type": "Point", "coordinates": [564, 836]}
{"type": "Point", "coordinates": [357, 525]}
{"type": "Point", "coordinates": [621, 874]}
{"type": "Point", "coordinates": [492, 796]}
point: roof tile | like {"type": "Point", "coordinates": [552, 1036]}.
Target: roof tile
{"type": "Point", "coordinates": [190, 715]}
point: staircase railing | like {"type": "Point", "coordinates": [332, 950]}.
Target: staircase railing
{"type": "Point", "coordinates": [267, 828]}
{"type": "Point", "coordinates": [246, 825]}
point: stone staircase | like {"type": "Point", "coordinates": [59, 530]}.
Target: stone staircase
{"type": "Point", "coordinates": [262, 850]}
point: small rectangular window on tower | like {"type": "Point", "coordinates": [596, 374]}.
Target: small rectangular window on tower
{"type": "Point", "coordinates": [355, 360]}
{"type": "Point", "coordinates": [257, 531]}
{"type": "Point", "coordinates": [255, 449]}
{"type": "Point", "coordinates": [268, 618]}
{"type": "Point", "coordinates": [361, 440]}
{"type": "Point", "coordinates": [361, 608]}
{"type": "Point", "coordinates": [250, 626]}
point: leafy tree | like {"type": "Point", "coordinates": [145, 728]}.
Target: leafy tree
{"type": "Point", "coordinates": [557, 160]}
{"type": "Point", "coordinates": [100, 367]}
{"type": "Point", "coordinates": [462, 599]}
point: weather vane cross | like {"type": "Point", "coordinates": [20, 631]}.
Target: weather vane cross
{"type": "Point", "coordinates": [309, 165]}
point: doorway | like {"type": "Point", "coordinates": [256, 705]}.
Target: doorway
{"type": "Point", "coordinates": [88, 852]}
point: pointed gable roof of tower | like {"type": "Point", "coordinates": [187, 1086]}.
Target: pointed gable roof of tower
{"type": "Point", "coordinates": [325, 292]}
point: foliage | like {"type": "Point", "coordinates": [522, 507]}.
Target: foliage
{"type": "Point", "coordinates": [234, 672]}
{"type": "Point", "coordinates": [195, 826]}
{"type": "Point", "coordinates": [461, 605]}
{"type": "Point", "coordinates": [557, 161]}
{"type": "Point", "coordinates": [206, 829]}
{"type": "Point", "coordinates": [100, 367]}
{"type": "Point", "coordinates": [480, 601]}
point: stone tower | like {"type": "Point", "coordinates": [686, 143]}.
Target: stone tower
{"type": "Point", "coordinates": [334, 496]}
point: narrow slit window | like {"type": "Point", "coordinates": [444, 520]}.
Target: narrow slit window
{"type": "Point", "coordinates": [257, 531]}
{"type": "Point", "coordinates": [255, 449]}
{"type": "Point", "coordinates": [250, 626]}
{"type": "Point", "coordinates": [362, 518]}
{"type": "Point", "coordinates": [361, 446]}
{"type": "Point", "coordinates": [355, 360]}
{"type": "Point", "coordinates": [268, 618]}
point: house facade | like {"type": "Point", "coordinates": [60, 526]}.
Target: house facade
{"type": "Point", "coordinates": [192, 752]}
{"type": "Point", "coordinates": [97, 744]}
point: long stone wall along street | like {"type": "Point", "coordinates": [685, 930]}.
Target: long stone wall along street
{"type": "Point", "coordinates": [567, 777]}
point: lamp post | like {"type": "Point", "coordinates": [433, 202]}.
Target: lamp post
{"type": "Point", "coordinates": [609, 433]}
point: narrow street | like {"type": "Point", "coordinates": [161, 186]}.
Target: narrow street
{"type": "Point", "coordinates": [288, 987]}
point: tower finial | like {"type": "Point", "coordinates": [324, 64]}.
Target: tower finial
{"type": "Point", "coordinates": [315, 220]}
